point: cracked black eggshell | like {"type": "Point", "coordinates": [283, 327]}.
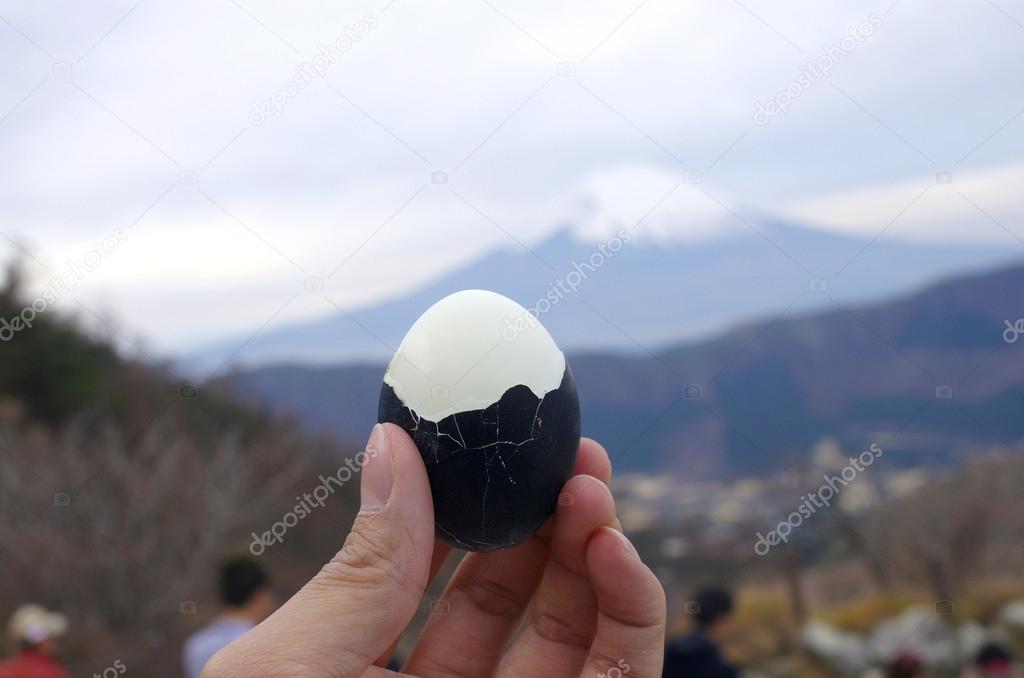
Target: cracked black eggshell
{"type": "Point", "coordinates": [491, 403]}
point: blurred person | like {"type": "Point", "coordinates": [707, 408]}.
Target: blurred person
{"type": "Point", "coordinates": [575, 599]}
{"type": "Point", "coordinates": [34, 631]}
{"type": "Point", "coordinates": [247, 598]}
{"type": "Point", "coordinates": [905, 665]}
{"type": "Point", "coordinates": [993, 661]}
{"type": "Point", "coordinates": [697, 654]}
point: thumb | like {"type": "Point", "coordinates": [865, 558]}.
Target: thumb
{"type": "Point", "coordinates": [360, 602]}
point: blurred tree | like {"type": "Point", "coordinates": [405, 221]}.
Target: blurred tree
{"type": "Point", "coordinates": [118, 496]}
{"type": "Point", "coordinates": [53, 369]}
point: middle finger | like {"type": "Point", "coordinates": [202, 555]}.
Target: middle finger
{"type": "Point", "coordinates": [487, 596]}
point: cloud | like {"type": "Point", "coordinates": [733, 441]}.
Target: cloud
{"type": "Point", "coordinates": [974, 206]}
{"type": "Point", "coordinates": [471, 89]}
{"type": "Point", "coordinates": [651, 203]}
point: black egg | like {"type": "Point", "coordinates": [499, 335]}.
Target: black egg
{"type": "Point", "coordinates": [491, 404]}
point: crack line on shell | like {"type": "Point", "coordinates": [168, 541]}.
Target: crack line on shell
{"type": "Point", "coordinates": [536, 416]}
{"type": "Point", "coordinates": [500, 442]}
{"type": "Point", "coordinates": [462, 438]}
{"type": "Point", "coordinates": [501, 459]}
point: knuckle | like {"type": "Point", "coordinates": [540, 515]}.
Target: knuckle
{"type": "Point", "coordinates": [641, 615]}
{"type": "Point", "coordinates": [366, 547]}
{"type": "Point", "coordinates": [492, 598]}
{"type": "Point", "coordinates": [641, 607]}
{"type": "Point", "coordinates": [649, 611]}
{"type": "Point", "coordinates": [367, 560]}
{"type": "Point", "coordinates": [556, 628]}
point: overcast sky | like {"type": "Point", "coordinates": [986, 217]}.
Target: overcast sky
{"type": "Point", "coordinates": [139, 116]}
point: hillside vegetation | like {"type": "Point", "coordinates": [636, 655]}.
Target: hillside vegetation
{"type": "Point", "coordinates": [121, 488]}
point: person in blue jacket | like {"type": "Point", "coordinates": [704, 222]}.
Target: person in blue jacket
{"type": "Point", "coordinates": [696, 655]}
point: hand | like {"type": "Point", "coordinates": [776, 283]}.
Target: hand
{"type": "Point", "coordinates": [574, 599]}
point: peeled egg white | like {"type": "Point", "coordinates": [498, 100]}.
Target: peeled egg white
{"type": "Point", "coordinates": [491, 403]}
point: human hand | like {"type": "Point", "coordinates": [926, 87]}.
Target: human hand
{"type": "Point", "coordinates": [574, 599]}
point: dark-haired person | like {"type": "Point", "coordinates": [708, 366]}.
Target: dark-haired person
{"type": "Point", "coordinates": [905, 665]}
{"type": "Point", "coordinates": [33, 630]}
{"type": "Point", "coordinates": [993, 660]}
{"type": "Point", "coordinates": [247, 598]}
{"type": "Point", "coordinates": [696, 655]}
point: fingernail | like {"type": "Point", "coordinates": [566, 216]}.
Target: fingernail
{"type": "Point", "coordinates": [624, 541]}
{"type": "Point", "coordinates": [378, 475]}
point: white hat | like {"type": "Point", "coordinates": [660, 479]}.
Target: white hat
{"type": "Point", "coordinates": [33, 624]}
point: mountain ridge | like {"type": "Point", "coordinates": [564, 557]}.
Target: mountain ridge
{"type": "Point", "coordinates": [714, 283]}
{"type": "Point", "coordinates": [755, 400]}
